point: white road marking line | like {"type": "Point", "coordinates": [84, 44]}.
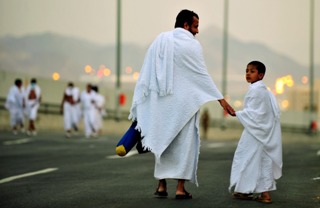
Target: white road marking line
{"type": "Point", "coordinates": [5, 180]}
{"type": "Point", "coordinates": [216, 145]}
{"type": "Point", "coordinates": [317, 178]}
{"type": "Point", "coordinates": [131, 153]}
{"type": "Point", "coordinates": [19, 141]}
{"type": "Point", "coordinates": [318, 153]}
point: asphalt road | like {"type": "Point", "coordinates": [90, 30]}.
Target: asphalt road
{"type": "Point", "coordinates": [49, 170]}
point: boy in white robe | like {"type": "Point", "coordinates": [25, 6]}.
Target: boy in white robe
{"type": "Point", "coordinates": [15, 104]}
{"type": "Point", "coordinates": [173, 85]}
{"type": "Point", "coordinates": [257, 161]}
{"type": "Point", "coordinates": [33, 99]}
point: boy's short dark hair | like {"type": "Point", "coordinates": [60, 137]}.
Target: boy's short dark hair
{"type": "Point", "coordinates": [185, 16]}
{"type": "Point", "coordinates": [259, 65]}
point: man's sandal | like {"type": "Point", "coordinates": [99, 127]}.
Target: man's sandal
{"type": "Point", "coordinates": [161, 194]}
{"type": "Point", "coordinates": [186, 195]}
{"type": "Point", "coordinates": [242, 196]}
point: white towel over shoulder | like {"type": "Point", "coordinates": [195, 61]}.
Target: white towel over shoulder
{"type": "Point", "coordinates": [172, 86]}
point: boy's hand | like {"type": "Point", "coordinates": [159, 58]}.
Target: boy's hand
{"type": "Point", "coordinates": [225, 105]}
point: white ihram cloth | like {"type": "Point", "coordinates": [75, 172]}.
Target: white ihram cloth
{"type": "Point", "coordinates": [88, 102]}
{"type": "Point", "coordinates": [77, 106]}
{"type": "Point", "coordinates": [14, 103]}
{"type": "Point", "coordinates": [100, 111]}
{"type": "Point", "coordinates": [172, 86]}
{"type": "Point", "coordinates": [71, 111]}
{"type": "Point", "coordinates": [33, 104]}
{"type": "Point", "coordinates": [257, 160]}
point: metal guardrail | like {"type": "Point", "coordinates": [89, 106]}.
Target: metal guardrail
{"type": "Point", "coordinates": [54, 109]}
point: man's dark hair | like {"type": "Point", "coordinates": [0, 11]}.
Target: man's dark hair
{"type": "Point", "coordinates": [33, 80]}
{"type": "Point", "coordinates": [185, 16]}
{"type": "Point", "coordinates": [260, 66]}
{"type": "Point", "coordinates": [18, 82]}
{"type": "Point", "coordinates": [70, 84]}
{"type": "Point", "coordinates": [95, 88]}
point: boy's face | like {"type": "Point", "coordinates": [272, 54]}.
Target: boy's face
{"type": "Point", "coordinates": [252, 74]}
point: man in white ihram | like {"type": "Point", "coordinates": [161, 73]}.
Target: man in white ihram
{"type": "Point", "coordinates": [33, 99]}
{"type": "Point", "coordinates": [15, 103]}
{"type": "Point", "coordinates": [88, 101]}
{"type": "Point", "coordinates": [173, 85]}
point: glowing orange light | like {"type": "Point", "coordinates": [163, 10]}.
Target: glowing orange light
{"type": "Point", "coordinates": [100, 73]}
{"type": "Point", "coordinates": [88, 69]}
{"type": "Point", "coordinates": [136, 75]}
{"type": "Point", "coordinates": [285, 104]}
{"type": "Point", "coordinates": [304, 80]}
{"type": "Point", "coordinates": [279, 86]}
{"type": "Point", "coordinates": [55, 76]}
{"type": "Point", "coordinates": [106, 72]}
{"type": "Point", "coordinates": [128, 70]}
{"type": "Point", "coordinates": [283, 81]}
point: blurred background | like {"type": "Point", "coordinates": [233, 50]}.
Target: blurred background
{"type": "Point", "coordinates": [103, 42]}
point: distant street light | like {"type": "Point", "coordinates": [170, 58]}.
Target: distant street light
{"type": "Point", "coordinates": [55, 76]}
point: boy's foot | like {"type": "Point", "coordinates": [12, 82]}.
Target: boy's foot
{"type": "Point", "coordinates": [263, 200]}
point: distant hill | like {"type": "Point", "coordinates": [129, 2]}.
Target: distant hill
{"type": "Point", "coordinates": [43, 54]}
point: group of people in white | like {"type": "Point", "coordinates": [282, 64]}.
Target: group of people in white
{"type": "Point", "coordinates": [88, 105]}
{"type": "Point", "coordinates": [23, 103]}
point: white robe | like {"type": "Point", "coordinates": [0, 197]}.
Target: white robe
{"type": "Point", "coordinates": [100, 111]}
{"type": "Point", "coordinates": [257, 161]}
{"type": "Point", "coordinates": [77, 106]}
{"type": "Point", "coordinates": [32, 105]}
{"type": "Point", "coordinates": [173, 85]}
{"type": "Point", "coordinates": [14, 103]}
{"type": "Point", "coordinates": [88, 100]}
{"type": "Point", "coordinates": [71, 112]}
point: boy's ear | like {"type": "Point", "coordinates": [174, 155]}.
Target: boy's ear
{"type": "Point", "coordinates": [261, 75]}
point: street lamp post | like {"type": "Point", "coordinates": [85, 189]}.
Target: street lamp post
{"type": "Point", "coordinates": [225, 55]}
{"type": "Point", "coordinates": [311, 75]}
{"type": "Point", "coordinates": [118, 61]}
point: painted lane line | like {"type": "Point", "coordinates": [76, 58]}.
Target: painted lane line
{"type": "Point", "coordinates": [5, 180]}
{"type": "Point", "coordinates": [130, 154]}
{"type": "Point", "coordinates": [317, 178]}
{"type": "Point", "coordinates": [19, 141]}
{"type": "Point", "coordinates": [318, 153]}
{"type": "Point", "coordinates": [216, 145]}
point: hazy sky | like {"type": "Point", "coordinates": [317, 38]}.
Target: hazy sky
{"type": "Point", "coordinates": [282, 25]}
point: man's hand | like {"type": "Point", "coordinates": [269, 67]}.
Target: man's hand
{"type": "Point", "coordinates": [225, 105]}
